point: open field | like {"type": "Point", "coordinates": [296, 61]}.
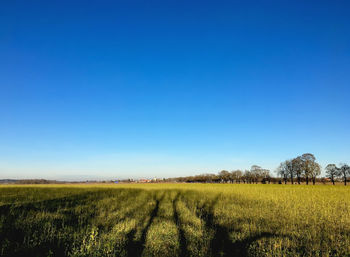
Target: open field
{"type": "Point", "coordinates": [175, 220]}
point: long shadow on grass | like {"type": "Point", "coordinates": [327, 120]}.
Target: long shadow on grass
{"type": "Point", "coordinates": [221, 244]}
{"type": "Point", "coordinates": [16, 234]}
{"type": "Point", "coordinates": [181, 233]}
{"type": "Point", "coordinates": [136, 247]}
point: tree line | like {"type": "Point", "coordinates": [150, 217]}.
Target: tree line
{"type": "Point", "coordinates": [303, 168]}
{"type": "Point", "coordinates": [255, 175]}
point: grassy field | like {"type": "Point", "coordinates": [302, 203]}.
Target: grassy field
{"type": "Point", "coordinates": [175, 220]}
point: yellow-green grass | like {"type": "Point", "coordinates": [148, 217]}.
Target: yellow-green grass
{"type": "Point", "coordinates": [174, 220]}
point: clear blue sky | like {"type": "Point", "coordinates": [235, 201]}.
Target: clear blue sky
{"type": "Point", "coordinates": [170, 88]}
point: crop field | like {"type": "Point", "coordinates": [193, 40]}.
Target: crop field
{"type": "Point", "coordinates": [175, 220]}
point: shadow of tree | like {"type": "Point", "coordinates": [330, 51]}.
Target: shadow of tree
{"type": "Point", "coordinates": [136, 247]}
{"type": "Point", "coordinates": [181, 233]}
{"type": "Point", "coordinates": [12, 214]}
{"type": "Point", "coordinates": [221, 244]}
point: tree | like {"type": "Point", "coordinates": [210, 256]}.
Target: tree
{"type": "Point", "coordinates": [310, 167]}
{"type": "Point", "coordinates": [257, 173]}
{"type": "Point", "coordinates": [283, 172]}
{"type": "Point", "coordinates": [248, 177]}
{"type": "Point", "coordinates": [344, 171]}
{"type": "Point", "coordinates": [266, 176]}
{"type": "Point", "coordinates": [315, 171]}
{"type": "Point", "coordinates": [239, 175]}
{"type": "Point", "coordinates": [306, 159]}
{"type": "Point", "coordinates": [224, 175]}
{"type": "Point", "coordinates": [332, 172]}
{"type": "Point", "coordinates": [298, 168]}
{"type": "Point", "coordinates": [236, 175]}
{"type": "Point", "coordinates": [293, 166]}
{"type": "Point", "coordinates": [289, 167]}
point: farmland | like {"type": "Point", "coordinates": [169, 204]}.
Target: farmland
{"type": "Point", "coordinates": [175, 220]}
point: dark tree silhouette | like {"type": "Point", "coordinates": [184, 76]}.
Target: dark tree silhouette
{"type": "Point", "coordinates": [344, 171]}
{"type": "Point", "coordinates": [332, 172]}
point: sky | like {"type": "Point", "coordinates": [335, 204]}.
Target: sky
{"type": "Point", "coordinates": [131, 89]}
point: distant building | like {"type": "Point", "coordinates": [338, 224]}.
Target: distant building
{"type": "Point", "coordinates": [144, 180]}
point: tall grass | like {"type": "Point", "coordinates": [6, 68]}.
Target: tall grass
{"type": "Point", "coordinates": [174, 220]}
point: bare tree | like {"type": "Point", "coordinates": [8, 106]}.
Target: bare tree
{"type": "Point", "coordinates": [254, 171]}
{"type": "Point", "coordinates": [224, 175]}
{"type": "Point", "coordinates": [344, 171]}
{"type": "Point", "coordinates": [310, 167]}
{"type": "Point", "coordinates": [289, 167]}
{"type": "Point", "coordinates": [298, 168]}
{"type": "Point", "coordinates": [293, 166]}
{"type": "Point", "coordinates": [236, 176]}
{"type": "Point", "coordinates": [266, 176]}
{"type": "Point", "coordinates": [332, 172]}
{"type": "Point", "coordinates": [248, 177]}
{"type": "Point", "coordinates": [282, 171]}
{"type": "Point", "coordinates": [258, 173]}
{"type": "Point", "coordinates": [315, 170]}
